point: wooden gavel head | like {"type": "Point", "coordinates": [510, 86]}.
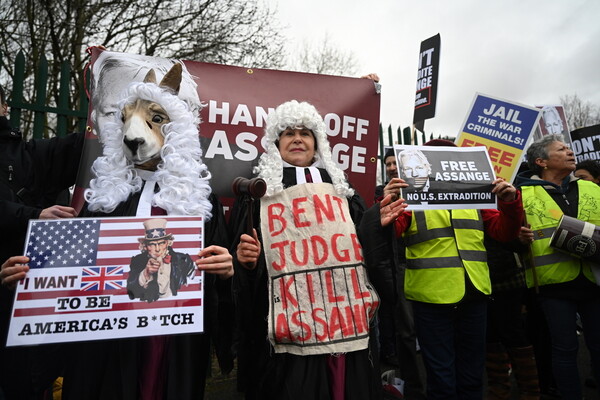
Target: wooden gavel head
{"type": "Point", "coordinates": [255, 187]}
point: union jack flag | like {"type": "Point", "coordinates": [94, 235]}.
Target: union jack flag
{"type": "Point", "coordinates": [102, 278]}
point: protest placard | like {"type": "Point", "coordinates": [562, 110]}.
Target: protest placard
{"type": "Point", "coordinates": [445, 177]}
{"type": "Point", "coordinates": [320, 299]}
{"type": "Point", "coordinates": [553, 121]}
{"type": "Point", "coordinates": [586, 143]}
{"type": "Point", "coordinates": [503, 127]}
{"type": "Point", "coordinates": [427, 79]}
{"type": "Point", "coordinates": [87, 280]}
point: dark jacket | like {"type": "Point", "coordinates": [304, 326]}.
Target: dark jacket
{"type": "Point", "coordinates": [32, 175]}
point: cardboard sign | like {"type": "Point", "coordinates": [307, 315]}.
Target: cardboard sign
{"type": "Point", "coordinates": [81, 282]}
{"type": "Point", "coordinates": [320, 300]}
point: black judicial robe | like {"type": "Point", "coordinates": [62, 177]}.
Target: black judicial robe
{"type": "Point", "coordinates": [108, 369]}
{"type": "Point", "coordinates": [264, 374]}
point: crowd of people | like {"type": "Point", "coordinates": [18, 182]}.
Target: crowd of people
{"type": "Point", "coordinates": [450, 285]}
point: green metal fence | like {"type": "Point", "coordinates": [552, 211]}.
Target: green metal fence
{"type": "Point", "coordinates": [39, 106]}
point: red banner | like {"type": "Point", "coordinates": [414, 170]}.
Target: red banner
{"type": "Point", "coordinates": [237, 101]}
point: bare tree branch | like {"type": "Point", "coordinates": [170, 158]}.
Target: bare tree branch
{"type": "Point", "coordinates": [235, 32]}
{"type": "Point", "coordinates": [324, 57]}
{"type": "Point", "coordinates": [579, 113]}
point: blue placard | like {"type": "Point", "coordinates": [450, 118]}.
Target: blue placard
{"type": "Point", "coordinates": [501, 121]}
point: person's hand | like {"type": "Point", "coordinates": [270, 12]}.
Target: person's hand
{"type": "Point", "coordinates": [526, 235]}
{"type": "Point", "coordinates": [389, 210]}
{"type": "Point", "coordinates": [504, 190]}
{"type": "Point", "coordinates": [152, 267]}
{"type": "Point", "coordinates": [374, 77]}
{"type": "Point", "coordinates": [215, 260]}
{"type": "Point", "coordinates": [393, 188]}
{"type": "Point", "coordinates": [13, 270]}
{"type": "Point", "coordinates": [57, 212]}
{"type": "Point", "coordinates": [248, 250]}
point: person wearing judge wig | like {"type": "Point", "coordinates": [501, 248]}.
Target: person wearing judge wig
{"type": "Point", "coordinates": [173, 181]}
{"type": "Point", "coordinates": [304, 332]}
{"type": "Point", "coordinates": [567, 284]}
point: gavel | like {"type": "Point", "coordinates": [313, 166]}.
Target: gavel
{"type": "Point", "coordinates": [255, 188]}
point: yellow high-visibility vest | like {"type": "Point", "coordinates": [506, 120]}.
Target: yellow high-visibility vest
{"type": "Point", "coordinates": [441, 247]}
{"type": "Point", "coordinates": [543, 214]}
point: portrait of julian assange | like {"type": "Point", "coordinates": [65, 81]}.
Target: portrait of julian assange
{"type": "Point", "coordinates": [415, 169]}
{"type": "Point", "coordinates": [159, 271]}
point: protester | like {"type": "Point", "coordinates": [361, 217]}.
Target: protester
{"type": "Point", "coordinates": [33, 175]}
{"type": "Point", "coordinates": [508, 350]}
{"type": "Point", "coordinates": [386, 263]}
{"type": "Point", "coordinates": [391, 171]}
{"type": "Point", "coordinates": [566, 283]}
{"type": "Point", "coordinates": [383, 276]}
{"type": "Point", "coordinates": [173, 367]}
{"type": "Point", "coordinates": [448, 280]}
{"type": "Point", "coordinates": [286, 361]}
{"type": "Point", "coordinates": [588, 170]}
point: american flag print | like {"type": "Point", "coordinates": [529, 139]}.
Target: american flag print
{"type": "Point", "coordinates": [63, 243]}
{"type": "Point", "coordinates": [76, 288]}
{"type": "Point", "coordinates": [100, 242]}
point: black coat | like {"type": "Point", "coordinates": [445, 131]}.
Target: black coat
{"type": "Point", "coordinates": [108, 369]}
{"type": "Point", "coordinates": [385, 258]}
{"type": "Point", "coordinates": [32, 176]}
{"type": "Point", "coordinates": [264, 374]}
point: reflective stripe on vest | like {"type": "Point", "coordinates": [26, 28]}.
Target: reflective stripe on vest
{"type": "Point", "coordinates": [543, 214]}
{"type": "Point", "coordinates": [441, 246]}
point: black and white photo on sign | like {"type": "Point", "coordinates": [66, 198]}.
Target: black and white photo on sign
{"type": "Point", "coordinates": [445, 177]}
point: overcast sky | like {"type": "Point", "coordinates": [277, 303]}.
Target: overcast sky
{"type": "Point", "coordinates": [527, 51]}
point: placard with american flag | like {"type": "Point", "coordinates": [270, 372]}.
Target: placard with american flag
{"type": "Point", "coordinates": [90, 279]}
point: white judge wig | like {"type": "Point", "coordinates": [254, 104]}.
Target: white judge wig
{"type": "Point", "coordinates": [293, 114]}
{"type": "Point", "coordinates": [182, 176]}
